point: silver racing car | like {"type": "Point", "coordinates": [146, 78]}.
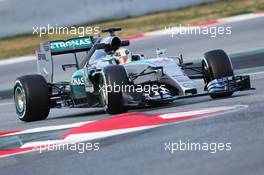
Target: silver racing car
{"type": "Point", "coordinates": [112, 78]}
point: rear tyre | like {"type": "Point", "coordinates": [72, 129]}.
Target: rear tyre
{"type": "Point", "coordinates": [111, 97]}
{"type": "Point", "coordinates": [31, 96]}
{"type": "Point", "coordinates": [217, 64]}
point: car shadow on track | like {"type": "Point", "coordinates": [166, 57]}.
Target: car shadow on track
{"type": "Point", "coordinates": [78, 115]}
{"type": "Point", "coordinates": [181, 102]}
{"type": "Point", "coordinates": [185, 102]}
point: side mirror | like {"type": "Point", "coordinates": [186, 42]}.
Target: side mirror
{"type": "Point", "coordinates": [125, 43]}
{"type": "Point", "coordinates": [100, 46]}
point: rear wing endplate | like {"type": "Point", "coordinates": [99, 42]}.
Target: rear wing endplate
{"type": "Point", "coordinates": [48, 49]}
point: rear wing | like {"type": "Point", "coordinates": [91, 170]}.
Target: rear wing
{"type": "Point", "coordinates": [47, 50]}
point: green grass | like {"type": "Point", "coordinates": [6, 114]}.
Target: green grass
{"type": "Point", "coordinates": [27, 43]}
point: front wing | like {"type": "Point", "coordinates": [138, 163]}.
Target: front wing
{"type": "Point", "coordinates": [227, 84]}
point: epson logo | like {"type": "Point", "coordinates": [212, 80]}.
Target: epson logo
{"type": "Point", "coordinates": [42, 57]}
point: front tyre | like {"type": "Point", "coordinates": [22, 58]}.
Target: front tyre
{"type": "Point", "coordinates": [216, 65]}
{"type": "Point", "coordinates": [112, 80]}
{"type": "Point", "coordinates": [31, 96]}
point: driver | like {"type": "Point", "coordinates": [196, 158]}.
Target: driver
{"type": "Point", "coordinates": [123, 56]}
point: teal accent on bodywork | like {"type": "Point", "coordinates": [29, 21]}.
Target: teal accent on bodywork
{"type": "Point", "coordinates": [154, 62]}
{"type": "Point", "coordinates": [78, 84]}
{"type": "Point", "coordinates": [70, 44]}
{"type": "Point", "coordinates": [142, 62]}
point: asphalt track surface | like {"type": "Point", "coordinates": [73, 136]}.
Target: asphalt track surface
{"type": "Point", "coordinates": [143, 152]}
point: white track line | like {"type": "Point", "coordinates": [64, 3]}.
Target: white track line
{"type": "Point", "coordinates": [5, 104]}
{"type": "Point", "coordinates": [75, 138]}
{"type": "Point", "coordinates": [239, 18]}
{"type": "Point", "coordinates": [202, 111]}
{"type": "Point", "coordinates": [49, 128]}
{"type": "Point", "coordinates": [17, 60]}
{"type": "Point", "coordinates": [82, 137]}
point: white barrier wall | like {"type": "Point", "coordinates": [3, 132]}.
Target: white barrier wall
{"type": "Point", "coordinates": [19, 16]}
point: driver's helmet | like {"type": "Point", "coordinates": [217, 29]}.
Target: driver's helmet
{"type": "Point", "coordinates": [123, 55]}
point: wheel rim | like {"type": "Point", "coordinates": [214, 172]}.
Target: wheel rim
{"type": "Point", "coordinates": [20, 99]}
{"type": "Point", "coordinates": [103, 94]}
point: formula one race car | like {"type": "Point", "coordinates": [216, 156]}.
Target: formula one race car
{"type": "Point", "coordinates": [112, 78]}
